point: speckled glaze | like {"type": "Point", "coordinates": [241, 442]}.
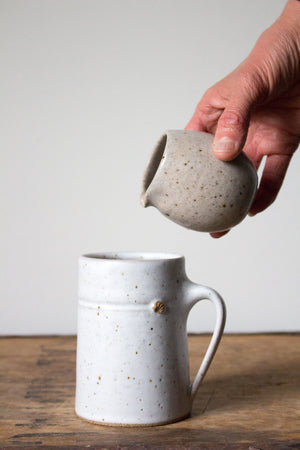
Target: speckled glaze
{"type": "Point", "coordinates": [190, 186]}
{"type": "Point", "coordinates": [132, 353]}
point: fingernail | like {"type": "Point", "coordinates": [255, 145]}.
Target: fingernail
{"type": "Point", "coordinates": [224, 145]}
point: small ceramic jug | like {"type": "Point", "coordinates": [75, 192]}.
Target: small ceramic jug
{"type": "Point", "coordinates": [132, 352]}
{"type": "Point", "coordinates": [190, 186]}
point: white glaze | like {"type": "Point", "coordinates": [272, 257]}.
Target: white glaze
{"type": "Point", "coordinates": [132, 362]}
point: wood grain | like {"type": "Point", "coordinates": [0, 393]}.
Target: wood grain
{"type": "Point", "coordinates": [249, 399]}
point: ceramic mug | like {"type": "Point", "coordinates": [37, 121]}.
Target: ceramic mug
{"type": "Point", "coordinates": [189, 185]}
{"type": "Point", "coordinates": [132, 352]}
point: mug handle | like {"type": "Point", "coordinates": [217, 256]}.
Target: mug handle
{"type": "Point", "coordinates": [196, 293]}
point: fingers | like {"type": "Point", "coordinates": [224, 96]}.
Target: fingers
{"type": "Point", "coordinates": [206, 115]}
{"type": "Point", "coordinates": [227, 118]}
{"type": "Point", "coordinates": [231, 132]}
{"type": "Point", "coordinates": [195, 123]}
{"type": "Point", "coordinates": [219, 234]}
{"type": "Point", "coordinates": [271, 181]}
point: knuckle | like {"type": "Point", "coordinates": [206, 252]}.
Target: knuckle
{"type": "Point", "coordinates": [232, 118]}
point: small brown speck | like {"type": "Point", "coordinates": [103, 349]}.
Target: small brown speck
{"type": "Point", "coordinates": [155, 386]}
{"type": "Point", "coordinates": [136, 287]}
{"type": "Point", "coordinates": [136, 353]}
{"type": "Point", "coordinates": [98, 313]}
{"type": "Point", "coordinates": [150, 381]}
{"type": "Point", "coordinates": [128, 378]}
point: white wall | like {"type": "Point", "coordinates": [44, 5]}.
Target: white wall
{"type": "Point", "coordinates": [86, 88]}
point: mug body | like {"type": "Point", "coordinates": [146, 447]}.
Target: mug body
{"type": "Point", "coordinates": [132, 355]}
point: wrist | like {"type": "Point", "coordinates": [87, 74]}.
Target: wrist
{"type": "Point", "coordinates": [290, 19]}
{"type": "Point", "coordinates": [276, 54]}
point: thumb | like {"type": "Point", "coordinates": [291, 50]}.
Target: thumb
{"type": "Point", "coordinates": [232, 128]}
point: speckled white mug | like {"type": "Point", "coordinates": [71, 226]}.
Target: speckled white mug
{"type": "Point", "coordinates": [132, 352]}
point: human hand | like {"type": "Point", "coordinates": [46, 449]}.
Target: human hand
{"type": "Point", "coordinates": [256, 108]}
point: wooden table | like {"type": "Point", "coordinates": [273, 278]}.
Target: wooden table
{"type": "Point", "coordinates": [249, 399]}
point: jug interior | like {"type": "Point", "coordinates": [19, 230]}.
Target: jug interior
{"type": "Point", "coordinates": [154, 162]}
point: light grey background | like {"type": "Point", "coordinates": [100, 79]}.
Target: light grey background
{"type": "Point", "coordinates": [86, 89]}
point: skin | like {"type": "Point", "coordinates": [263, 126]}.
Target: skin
{"type": "Point", "coordinates": [256, 108]}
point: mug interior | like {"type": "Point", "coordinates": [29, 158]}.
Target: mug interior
{"type": "Point", "coordinates": [132, 256]}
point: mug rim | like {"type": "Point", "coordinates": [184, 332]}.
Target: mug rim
{"type": "Point", "coordinates": [132, 256]}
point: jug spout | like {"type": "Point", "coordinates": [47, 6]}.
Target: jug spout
{"type": "Point", "coordinates": [150, 171]}
{"type": "Point", "coordinates": [144, 201]}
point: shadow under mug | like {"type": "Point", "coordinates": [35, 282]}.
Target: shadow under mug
{"type": "Point", "coordinates": [132, 351]}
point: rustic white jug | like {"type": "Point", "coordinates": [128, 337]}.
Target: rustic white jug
{"type": "Point", "coordinates": [132, 353]}
{"type": "Point", "coordinates": [188, 184]}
